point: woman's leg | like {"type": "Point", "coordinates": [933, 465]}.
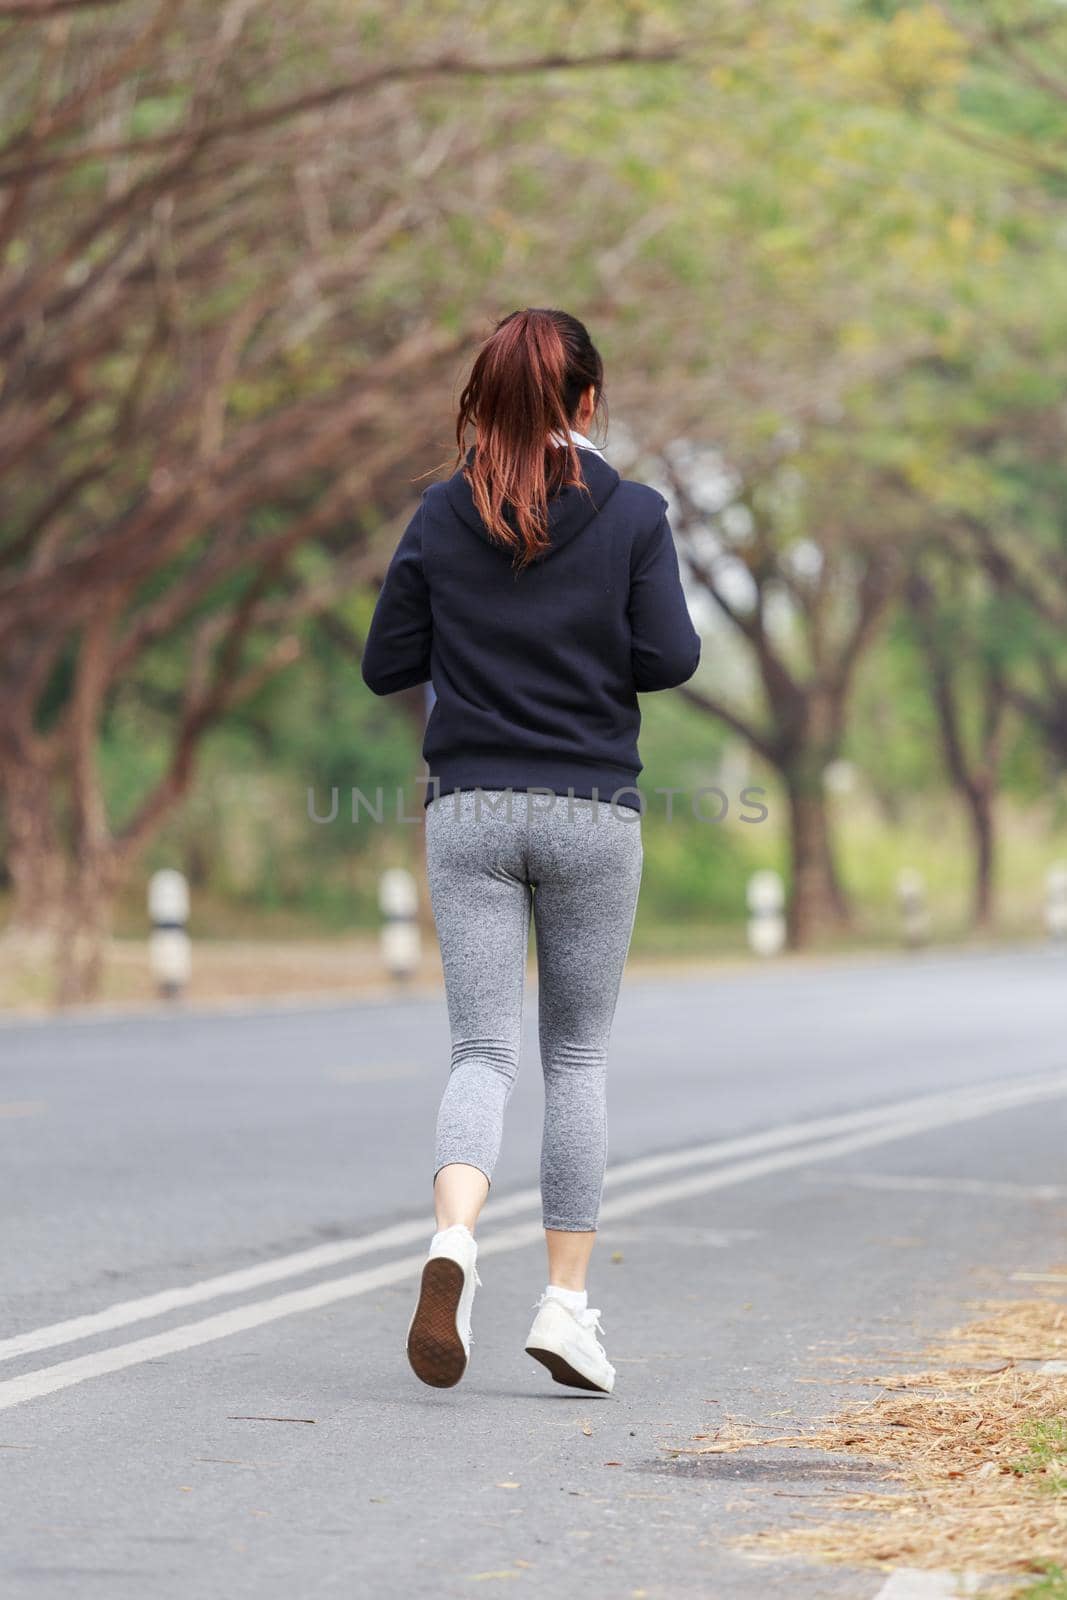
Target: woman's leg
{"type": "Point", "coordinates": [586, 865]}
{"type": "Point", "coordinates": [568, 1257]}
{"type": "Point", "coordinates": [481, 906]}
{"type": "Point", "coordinates": [459, 1193]}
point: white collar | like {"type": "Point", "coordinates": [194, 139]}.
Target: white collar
{"type": "Point", "coordinates": [580, 440]}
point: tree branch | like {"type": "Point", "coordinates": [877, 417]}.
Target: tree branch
{"type": "Point", "coordinates": [920, 597]}
{"type": "Point", "coordinates": [31, 10]}
{"type": "Point", "coordinates": [761, 742]}
{"type": "Point", "coordinates": [333, 94]}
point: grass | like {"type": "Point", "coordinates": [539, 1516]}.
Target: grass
{"type": "Point", "coordinates": [691, 906]}
{"type": "Point", "coordinates": [1052, 1585]}
{"type": "Point", "coordinates": [694, 883]}
{"type": "Point", "coordinates": [1045, 1461]}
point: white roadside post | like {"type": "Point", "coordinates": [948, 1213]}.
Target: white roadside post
{"type": "Point", "coordinates": [401, 942]}
{"type": "Point", "coordinates": [766, 913]}
{"type": "Point", "coordinates": [169, 950]}
{"type": "Point", "coordinates": [914, 912]}
{"type": "Point", "coordinates": [1056, 901]}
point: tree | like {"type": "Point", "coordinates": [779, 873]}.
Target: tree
{"type": "Point", "coordinates": [226, 333]}
{"type": "Point", "coordinates": [956, 623]}
{"type": "Point", "coordinates": [804, 584]}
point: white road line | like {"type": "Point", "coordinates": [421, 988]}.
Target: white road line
{"type": "Point", "coordinates": [1042, 1085]}
{"type": "Point", "coordinates": [321, 1257]}
{"type": "Point", "coordinates": [65, 1374]}
{"type": "Point", "coordinates": [912, 1583]}
{"type": "Point", "coordinates": [1053, 1366]}
{"type": "Point", "coordinates": [935, 1185]}
{"type": "Point", "coordinates": [700, 1183]}
{"type": "Point", "coordinates": [316, 1259]}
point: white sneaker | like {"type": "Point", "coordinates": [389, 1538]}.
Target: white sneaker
{"type": "Point", "coordinates": [439, 1334]}
{"type": "Point", "coordinates": [565, 1342]}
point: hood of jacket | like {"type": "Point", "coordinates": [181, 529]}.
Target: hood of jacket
{"type": "Point", "coordinates": [569, 511]}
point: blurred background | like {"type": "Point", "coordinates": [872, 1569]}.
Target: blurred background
{"type": "Point", "coordinates": [246, 253]}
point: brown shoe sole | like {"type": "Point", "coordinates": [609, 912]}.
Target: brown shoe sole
{"type": "Point", "coordinates": [561, 1370]}
{"type": "Point", "coordinates": [435, 1348]}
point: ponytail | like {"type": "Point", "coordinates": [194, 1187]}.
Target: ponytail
{"type": "Point", "coordinates": [522, 394]}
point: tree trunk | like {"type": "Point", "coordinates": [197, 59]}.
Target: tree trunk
{"type": "Point", "coordinates": [61, 905]}
{"type": "Point", "coordinates": [415, 704]}
{"type": "Point", "coordinates": [35, 857]}
{"type": "Point", "coordinates": [82, 934]}
{"type": "Point", "coordinates": [981, 815]}
{"type": "Point", "coordinates": [817, 902]}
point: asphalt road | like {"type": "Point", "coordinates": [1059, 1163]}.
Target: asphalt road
{"type": "Point", "coordinates": [214, 1222]}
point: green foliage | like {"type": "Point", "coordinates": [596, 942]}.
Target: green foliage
{"type": "Point", "coordinates": [1045, 1460]}
{"type": "Point", "coordinates": [1051, 1585]}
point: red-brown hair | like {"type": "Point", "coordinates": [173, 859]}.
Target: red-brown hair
{"type": "Point", "coordinates": [525, 385]}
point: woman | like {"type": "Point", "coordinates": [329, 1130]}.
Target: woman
{"type": "Point", "coordinates": [539, 593]}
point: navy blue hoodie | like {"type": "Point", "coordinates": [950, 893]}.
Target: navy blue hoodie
{"type": "Point", "coordinates": [536, 672]}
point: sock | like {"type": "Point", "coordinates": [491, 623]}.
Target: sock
{"type": "Point", "coordinates": [573, 1299]}
{"type": "Point", "coordinates": [456, 1228]}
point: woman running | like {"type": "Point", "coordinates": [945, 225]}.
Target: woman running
{"type": "Point", "coordinates": [539, 593]}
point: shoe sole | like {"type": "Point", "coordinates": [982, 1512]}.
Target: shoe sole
{"type": "Point", "coordinates": [562, 1371]}
{"type": "Point", "coordinates": [435, 1349]}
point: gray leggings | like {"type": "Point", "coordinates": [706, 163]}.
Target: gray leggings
{"type": "Point", "coordinates": [577, 863]}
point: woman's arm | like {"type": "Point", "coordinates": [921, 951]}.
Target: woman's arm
{"type": "Point", "coordinates": [397, 652]}
{"type": "Point", "coordinates": [664, 645]}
